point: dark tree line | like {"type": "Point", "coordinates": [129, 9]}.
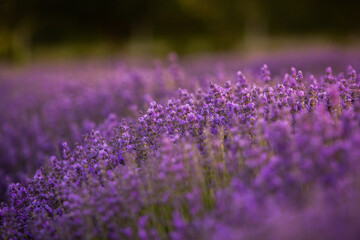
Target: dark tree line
{"type": "Point", "coordinates": [52, 21]}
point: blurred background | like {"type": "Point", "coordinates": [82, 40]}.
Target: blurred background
{"type": "Point", "coordinates": [33, 29]}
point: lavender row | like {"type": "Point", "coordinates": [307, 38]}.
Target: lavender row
{"type": "Point", "coordinates": [262, 158]}
{"type": "Point", "coordinates": [44, 106]}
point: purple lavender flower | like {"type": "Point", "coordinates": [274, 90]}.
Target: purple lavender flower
{"type": "Point", "coordinates": [224, 162]}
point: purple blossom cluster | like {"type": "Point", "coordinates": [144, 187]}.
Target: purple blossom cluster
{"type": "Point", "coordinates": [263, 157]}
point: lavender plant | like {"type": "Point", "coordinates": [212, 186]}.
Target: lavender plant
{"type": "Point", "coordinates": [264, 157]}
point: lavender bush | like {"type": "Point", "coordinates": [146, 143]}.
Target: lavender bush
{"type": "Point", "coordinates": [262, 157]}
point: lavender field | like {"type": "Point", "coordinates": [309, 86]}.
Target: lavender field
{"type": "Point", "coordinates": [203, 148]}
